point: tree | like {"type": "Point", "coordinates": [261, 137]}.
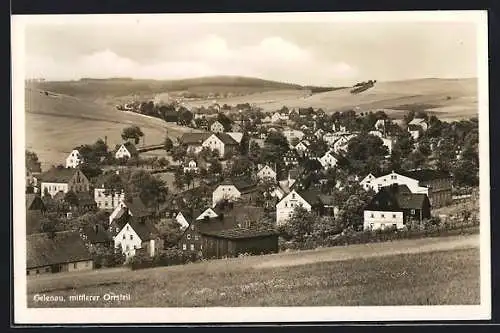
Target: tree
{"type": "Point", "coordinates": [254, 152]}
{"type": "Point", "coordinates": [275, 146]}
{"type": "Point", "coordinates": [71, 198]}
{"type": "Point", "coordinates": [185, 117]}
{"type": "Point", "coordinates": [133, 132]}
{"type": "Point", "coordinates": [32, 162]}
{"type": "Point", "coordinates": [150, 189]}
{"type": "Point", "coordinates": [241, 166]}
{"type": "Point", "coordinates": [215, 168]}
{"type": "Point", "coordinates": [327, 226]}
{"type": "Point", "coordinates": [364, 153]}
{"type": "Point", "coordinates": [351, 212]}
{"type": "Point", "coordinates": [244, 144]}
{"type": "Point", "coordinates": [179, 181]}
{"type": "Point", "coordinates": [179, 153]}
{"type": "Point", "coordinates": [168, 144]}
{"type": "Point", "coordinates": [299, 225]}
{"type": "Point", "coordinates": [225, 121]}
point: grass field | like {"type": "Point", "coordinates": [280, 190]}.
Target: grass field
{"type": "Point", "coordinates": [56, 124]}
{"type": "Point", "coordinates": [344, 276]}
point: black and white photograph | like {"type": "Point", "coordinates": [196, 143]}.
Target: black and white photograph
{"type": "Point", "coordinates": [272, 167]}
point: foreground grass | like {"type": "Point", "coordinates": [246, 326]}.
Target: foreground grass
{"type": "Point", "coordinates": [435, 278]}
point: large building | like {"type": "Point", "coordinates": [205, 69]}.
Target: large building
{"type": "Point", "coordinates": [63, 180]}
{"type": "Point", "coordinates": [395, 206]}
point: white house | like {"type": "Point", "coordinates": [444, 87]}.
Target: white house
{"type": "Point", "coordinates": [388, 143]}
{"type": "Point", "coordinates": [302, 147]}
{"type": "Point", "coordinates": [217, 127]}
{"type": "Point", "coordinates": [341, 144]}
{"type": "Point", "coordinates": [182, 220]}
{"type": "Point", "coordinates": [192, 166]}
{"type": "Point", "coordinates": [126, 150]}
{"type": "Point", "coordinates": [419, 122]}
{"type": "Point", "coordinates": [286, 206]}
{"type": "Point", "coordinates": [74, 159]}
{"type": "Point", "coordinates": [414, 131]}
{"type": "Point", "coordinates": [135, 235]}
{"type": "Point", "coordinates": [222, 142]}
{"type": "Point", "coordinates": [328, 161]}
{"type": "Point", "coordinates": [237, 136]}
{"type": "Point", "coordinates": [277, 116]}
{"type": "Point", "coordinates": [330, 138]}
{"type": "Point", "coordinates": [134, 208]}
{"type": "Point", "coordinates": [266, 172]}
{"type": "Point", "coordinates": [376, 183]}
{"type": "Point", "coordinates": [291, 135]}
{"type": "Point", "coordinates": [373, 220]}
{"type": "Point", "coordinates": [63, 180]}
{"type": "Point", "coordinates": [107, 200]}
{"type": "Point", "coordinates": [225, 191]}
{"type": "Point", "coordinates": [209, 213]}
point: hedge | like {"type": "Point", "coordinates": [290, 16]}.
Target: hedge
{"type": "Point", "coordinates": [169, 257]}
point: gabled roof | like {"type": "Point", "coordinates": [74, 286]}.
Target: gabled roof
{"type": "Point", "coordinates": [32, 198]}
{"type": "Point", "coordinates": [131, 148]}
{"type": "Point", "coordinates": [97, 234]}
{"type": "Point", "coordinates": [58, 175]}
{"type": "Point", "coordinates": [226, 138]}
{"type": "Point", "coordinates": [137, 207]}
{"type": "Point", "coordinates": [425, 174]}
{"type": "Point", "coordinates": [241, 183]}
{"type": "Point", "coordinates": [65, 247]}
{"type": "Point", "coordinates": [194, 138]}
{"type": "Point", "coordinates": [237, 136]}
{"type": "Point", "coordinates": [417, 121]}
{"type": "Point", "coordinates": [144, 229]}
{"type": "Point", "coordinates": [241, 233]}
{"type": "Point", "coordinates": [395, 198]}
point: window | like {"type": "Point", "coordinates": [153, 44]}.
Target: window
{"type": "Point", "coordinates": [413, 211]}
{"type": "Point", "coordinates": [293, 195]}
{"type": "Point", "coordinates": [131, 237]}
{"type": "Point", "coordinates": [371, 225]}
{"type": "Point", "coordinates": [127, 228]}
{"type": "Point", "coordinates": [117, 229]}
{"type": "Point", "coordinates": [184, 247]}
{"type": "Point", "coordinates": [394, 225]}
{"type": "Point", "coordinates": [393, 216]}
{"type": "Point", "coordinates": [86, 264]}
{"type": "Point", "coordinates": [127, 248]}
{"type": "Point", "coordinates": [192, 226]}
{"type": "Point", "coordinates": [27, 272]}
{"type": "Point", "coordinates": [196, 237]}
{"type": "Point", "coordinates": [382, 215]}
{"type": "Point", "coordinates": [75, 265]}
{"type": "Point", "coordinates": [191, 247]}
{"type": "Point", "coordinates": [123, 236]}
{"type": "Point", "coordinates": [47, 269]}
{"type": "Point", "coordinates": [105, 203]}
{"type": "Point", "coordinates": [188, 236]}
{"type": "Point", "coordinates": [372, 215]}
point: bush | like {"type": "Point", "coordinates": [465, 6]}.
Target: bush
{"type": "Point", "coordinates": [170, 257]}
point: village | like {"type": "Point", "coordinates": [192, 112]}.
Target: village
{"type": "Point", "coordinates": [245, 182]}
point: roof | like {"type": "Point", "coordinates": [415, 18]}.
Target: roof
{"type": "Point", "coordinates": [226, 139]}
{"type": "Point", "coordinates": [58, 175]}
{"type": "Point", "coordinates": [137, 207]}
{"type": "Point", "coordinates": [237, 136]}
{"type": "Point", "coordinates": [414, 127]}
{"type": "Point", "coordinates": [416, 121]}
{"type": "Point", "coordinates": [241, 233]}
{"type": "Point", "coordinates": [400, 196]}
{"type": "Point", "coordinates": [295, 173]}
{"type": "Point", "coordinates": [32, 198]}
{"type": "Point", "coordinates": [425, 174]}
{"type": "Point", "coordinates": [97, 234]}
{"type": "Point", "coordinates": [242, 183]}
{"type": "Point", "coordinates": [144, 229]}
{"type": "Point", "coordinates": [64, 247]}
{"type": "Point", "coordinates": [130, 147]}
{"type": "Point", "coordinates": [194, 138]}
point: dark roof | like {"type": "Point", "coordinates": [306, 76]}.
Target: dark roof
{"type": "Point", "coordinates": [425, 174]}
{"type": "Point", "coordinates": [65, 247]}
{"type": "Point", "coordinates": [97, 234]}
{"type": "Point", "coordinates": [226, 139]}
{"type": "Point", "coordinates": [144, 229]}
{"type": "Point", "coordinates": [395, 198]}
{"type": "Point", "coordinates": [229, 218]}
{"type": "Point", "coordinates": [241, 233]}
{"type": "Point", "coordinates": [194, 138]}
{"type": "Point", "coordinates": [411, 201]}
{"type": "Point", "coordinates": [57, 175]}
{"type": "Point", "coordinates": [33, 200]}
{"type": "Point", "coordinates": [414, 127]}
{"type": "Point", "coordinates": [131, 148]}
{"type": "Point", "coordinates": [242, 184]}
{"type": "Point", "coordinates": [137, 207]}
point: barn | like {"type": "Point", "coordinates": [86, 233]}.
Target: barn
{"type": "Point", "coordinates": [232, 242]}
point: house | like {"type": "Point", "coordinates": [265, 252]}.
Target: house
{"type": "Point", "coordinates": [291, 157]}
{"type": "Point", "coordinates": [133, 207]}
{"type": "Point", "coordinates": [222, 142]}
{"type": "Point", "coordinates": [105, 197]}
{"type": "Point", "coordinates": [376, 133]}
{"type": "Point", "coordinates": [202, 123]}
{"type": "Point", "coordinates": [126, 150]}
{"type": "Point", "coordinates": [342, 143]}
{"type": "Point", "coordinates": [292, 135]}
{"type": "Point", "coordinates": [63, 179]}
{"type": "Point", "coordinates": [193, 141]}
{"type": "Point", "coordinates": [61, 251]}
{"type": "Point", "coordinates": [267, 119]}
{"type": "Point", "coordinates": [329, 160]}
{"type": "Point", "coordinates": [216, 127]}
{"type": "Point", "coordinates": [266, 173]}
{"type": "Point", "coordinates": [192, 166]}
{"type": "Point", "coordinates": [95, 236]}
{"type": "Point", "coordinates": [302, 147]}
{"type": "Point", "coordinates": [278, 116]}
{"type": "Point", "coordinates": [136, 233]}
{"type": "Point", "coordinates": [420, 122]}
{"type": "Point", "coordinates": [237, 136]}
{"type": "Point", "coordinates": [319, 134]}
{"type": "Point", "coordinates": [74, 159]}
{"type": "Point", "coordinates": [381, 124]}
{"type": "Point", "coordinates": [435, 184]}
{"type": "Point", "coordinates": [233, 190]}
{"type": "Point", "coordinates": [395, 206]}
{"type": "Point", "coordinates": [236, 241]}
{"type": "Point", "coordinates": [414, 131]}
{"type": "Point", "coordinates": [285, 207]}
{"type": "Point", "coordinates": [330, 138]}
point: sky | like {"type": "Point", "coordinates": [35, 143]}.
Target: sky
{"type": "Point", "coordinates": [307, 53]}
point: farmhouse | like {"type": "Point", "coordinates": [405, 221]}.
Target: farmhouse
{"type": "Point", "coordinates": [126, 150]}
{"type": "Point", "coordinates": [136, 233]}
{"type": "Point", "coordinates": [233, 190]}
{"type": "Point", "coordinates": [222, 142]}
{"type": "Point", "coordinates": [266, 172]}
{"type": "Point", "coordinates": [35, 212]}
{"type": "Point", "coordinates": [216, 127]}
{"type": "Point", "coordinates": [395, 206]}
{"type": "Point", "coordinates": [192, 166]}
{"type": "Point", "coordinates": [64, 180]}
{"type": "Point", "coordinates": [303, 147]}
{"type": "Point", "coordinates": [329, 160]}
{"type": "Point", "coordinates": [193, 141]}
{"type": "Point", "coordinates": [74, 159]}
{"type": "Point", "coordinates": [286, 206]}
{"type": "Point", "coordinates": [58, 252]}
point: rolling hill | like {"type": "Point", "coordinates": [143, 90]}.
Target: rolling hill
{"type": "Point", "coordinates": [55, 124]}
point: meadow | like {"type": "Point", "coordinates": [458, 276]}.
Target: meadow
{"type": "Point", "coordinates": [370, 274]}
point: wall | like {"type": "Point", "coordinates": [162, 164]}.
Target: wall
{"type": "Point", "coordinates": [285, 208]}
{"type": "Point", "coordinates": [256, 246]}
{"type": "Point", "coordinates": [379, 222]}
{"type": "Point", "coordinates": [123, 238]}
{"type": "Point", "coordinates": [110, 201]}
{"type": "Point", "coordinates": [80, 266]}
{"type": "Point", "coordinates": [213, 143]}
{"type": "Point", "coordinates": [229, 192]}
{"type": "Point", "coordinates": [53, 188]}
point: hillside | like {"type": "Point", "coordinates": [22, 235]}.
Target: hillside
{"type": "Point", "coordinates": [55, 124]}
{"type": "Point", "coordinates": [448, 98]}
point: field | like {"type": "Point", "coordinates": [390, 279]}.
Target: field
{"type": "Point", "coordinates": [55, 124]}
{"type": "Point", "coordinates": [443, 271]}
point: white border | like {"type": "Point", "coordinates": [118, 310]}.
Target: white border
{"type": "Point", "coordinates": [23, 315]}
